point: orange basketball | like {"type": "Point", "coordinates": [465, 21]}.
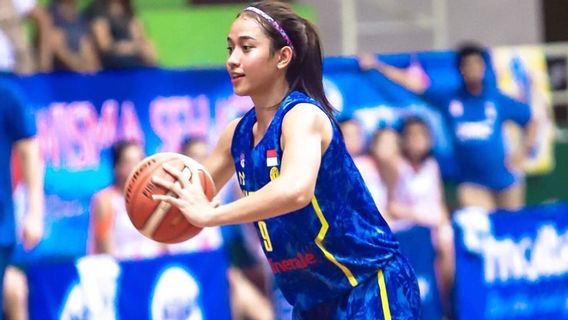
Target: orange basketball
{"type": "Point", "coordinates": [159, 220]}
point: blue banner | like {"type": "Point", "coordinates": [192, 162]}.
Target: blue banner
{"type": "Point", "coordinates": [190, 286]}
{"type": "Point", "coordinates": [416, 245]}
{"type": "Point", "coordinates": [512, 265]}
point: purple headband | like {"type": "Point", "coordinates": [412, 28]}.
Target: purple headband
{"type": "Point", "coordinates": [274, 24]}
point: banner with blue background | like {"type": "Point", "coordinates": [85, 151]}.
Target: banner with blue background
{"type": "Point", "coordinates": [512, 265]}
{"type": "Point", "coordinates": [192, 286]}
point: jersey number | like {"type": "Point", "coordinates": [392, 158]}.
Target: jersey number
{"type": "Point", "coordinates": [265, 236]}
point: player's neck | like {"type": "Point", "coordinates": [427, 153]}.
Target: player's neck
{"type": "Point", "coordinates": [267, 103]}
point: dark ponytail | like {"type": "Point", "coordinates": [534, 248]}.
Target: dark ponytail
{"type": "Point", "coordinates": [305, 72]}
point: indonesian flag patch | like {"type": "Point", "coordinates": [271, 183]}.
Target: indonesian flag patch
{"type": "Point", "coordinates": [271, 158]}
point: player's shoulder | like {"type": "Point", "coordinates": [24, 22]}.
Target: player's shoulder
{"type": "Point", "coordinates": [306, 113]}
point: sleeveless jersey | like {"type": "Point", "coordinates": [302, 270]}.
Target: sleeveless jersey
{"type": "Point", "coordinates": [321, 251]}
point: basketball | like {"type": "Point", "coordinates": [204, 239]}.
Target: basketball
{"type": "Point", "coordinates": [159, 220]}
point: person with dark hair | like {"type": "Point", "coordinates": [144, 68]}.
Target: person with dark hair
{"type": "Point", "coordinates": [416, 195]}
{"type": "Point", "coordinates": [196, 148]}
{"type": "Point", "coordinates": [111, 230]}
{"type": "Point", "coordinates": [332, 254]}
{"type": "Point", "coordinates": [119, 36]}
{"type": "Point", "coordinates": [72, 45]}
{"type": "Point", "coordinates": [476, 112]}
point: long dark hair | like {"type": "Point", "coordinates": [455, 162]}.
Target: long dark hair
{"type": "Point", "coordinates": [305, 72]}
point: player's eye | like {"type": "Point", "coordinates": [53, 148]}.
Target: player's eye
{"type": "Point", "coordinates": [230, 49]}
{"type": "Point", "coordinates": [247, 48]}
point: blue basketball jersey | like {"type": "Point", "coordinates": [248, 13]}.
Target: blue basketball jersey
{"type": "Point", "coordinates": [323, 250]}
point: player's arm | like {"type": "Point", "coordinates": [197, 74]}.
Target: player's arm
{"type": "Point", "coordinates": [219, 164]}
{"type": "Point", "coordinates": [303, 131]}
{"type": "Point", "coordinates": [306, 130]}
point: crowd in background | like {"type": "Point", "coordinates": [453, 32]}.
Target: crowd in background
{"type": "Point", "coordinates": [104, 35]}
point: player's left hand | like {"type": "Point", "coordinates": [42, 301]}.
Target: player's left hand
{"type": "Point", "coordinates": [32, 230]}
{"type": "Point", "coordinates": [187, 196]}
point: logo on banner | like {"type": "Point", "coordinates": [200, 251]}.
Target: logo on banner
{"type": "Point", "coordinates": [507, 259]}
{"type": "Point", "coordinates": [176, 296]}
{"type": "Point", "coordinates": [94, 295]}
{"type": "Point", "coordinates": [456, 108]}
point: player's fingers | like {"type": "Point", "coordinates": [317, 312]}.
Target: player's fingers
{"type": "Point", "coordinates": [169, 199]}
{"type": "Point", "coordinates": [195, 178]}
{"type": "Point", "coordinates": [163, 182]}
{"type": "Point", "coordinates": [182, 176]}
{"type": "Point", "coordinates": [185, 177]}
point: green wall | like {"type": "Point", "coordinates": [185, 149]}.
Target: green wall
{"type": "Point", "coordinates": [193, 35]}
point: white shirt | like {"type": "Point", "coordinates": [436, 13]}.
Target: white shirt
{"type": "Point", "coordinates": [420, 191]}
{"type": "Point", "coordinates": [7, 54]}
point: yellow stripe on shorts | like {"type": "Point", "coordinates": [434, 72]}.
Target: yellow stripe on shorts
{"type": "Point", "coordinates": [384, 295]}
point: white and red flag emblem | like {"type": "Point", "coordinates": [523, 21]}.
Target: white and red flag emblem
{"type": "Point", "coordinates": [271, 158]}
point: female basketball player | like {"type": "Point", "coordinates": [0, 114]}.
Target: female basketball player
{"type": "Point", "coordinates": [332, 253]}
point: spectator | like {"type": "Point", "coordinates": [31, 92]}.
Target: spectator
{"type": "Point", "coordinates": [476, 112]}
{"type": "Point", "coordinates": [119, 36]}
{"type": "Point", "coordinates": [416, 197]}
{"type": "Point", "coordinates": [354, 138]}
{"type": "Point", "coordinates": [16, 54]}
{"type": "Point", "coordinates": [111, 230]}
{"type": "Point", "coordinates": [383, 145]}
{"type": "Point", "coordinates": [18, 135]}
{"type": "Point", "coordinates": [73, 48]}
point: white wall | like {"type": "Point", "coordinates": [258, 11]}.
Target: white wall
{"type": "Point", "coordinates": [490, 22]}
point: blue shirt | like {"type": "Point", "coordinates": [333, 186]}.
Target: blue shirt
{"type": "Point", "coordinates": [323, 250]}
{"type": "Point", "coordinates": [476, 123]}
{"type": "Point", "coordinates": [17, 122]}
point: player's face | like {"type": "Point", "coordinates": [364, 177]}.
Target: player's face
{"type": "Point", "coordinates": [472, 69]}
{"type": "Point", "coordinates": [250, 64]}
{"type": "Point", "coordinates": [416, 140]}
{"type": "Point", "coordinates": [131, 156]}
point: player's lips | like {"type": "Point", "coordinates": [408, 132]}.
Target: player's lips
{"type": "Point", "coordinates": [235, 77]}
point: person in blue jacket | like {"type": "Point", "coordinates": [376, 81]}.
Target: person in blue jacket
{"type": "Point", "coordinates": [476, 112]}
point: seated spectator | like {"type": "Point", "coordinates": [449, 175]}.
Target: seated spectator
{"type": "Point", "coordinates": [73, 48]}
{"type": "Point", "coordinates": [111, 230]}
{"type": "Point", "coordinates": [384, 143]}
{"type": "Point", "coordinates": [119, 36]}
{"type": "Point", "coordinates": [16, 53]}
{"type": "Point", "coordinates": [416, 197]}
{"type": "Point", "coordinates": [366, 162]}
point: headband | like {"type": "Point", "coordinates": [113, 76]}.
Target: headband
{"type": "Point", "coordinates": [274, 24]}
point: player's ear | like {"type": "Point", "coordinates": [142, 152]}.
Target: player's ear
{"type": "Point", "coordinates": [285, 55]}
